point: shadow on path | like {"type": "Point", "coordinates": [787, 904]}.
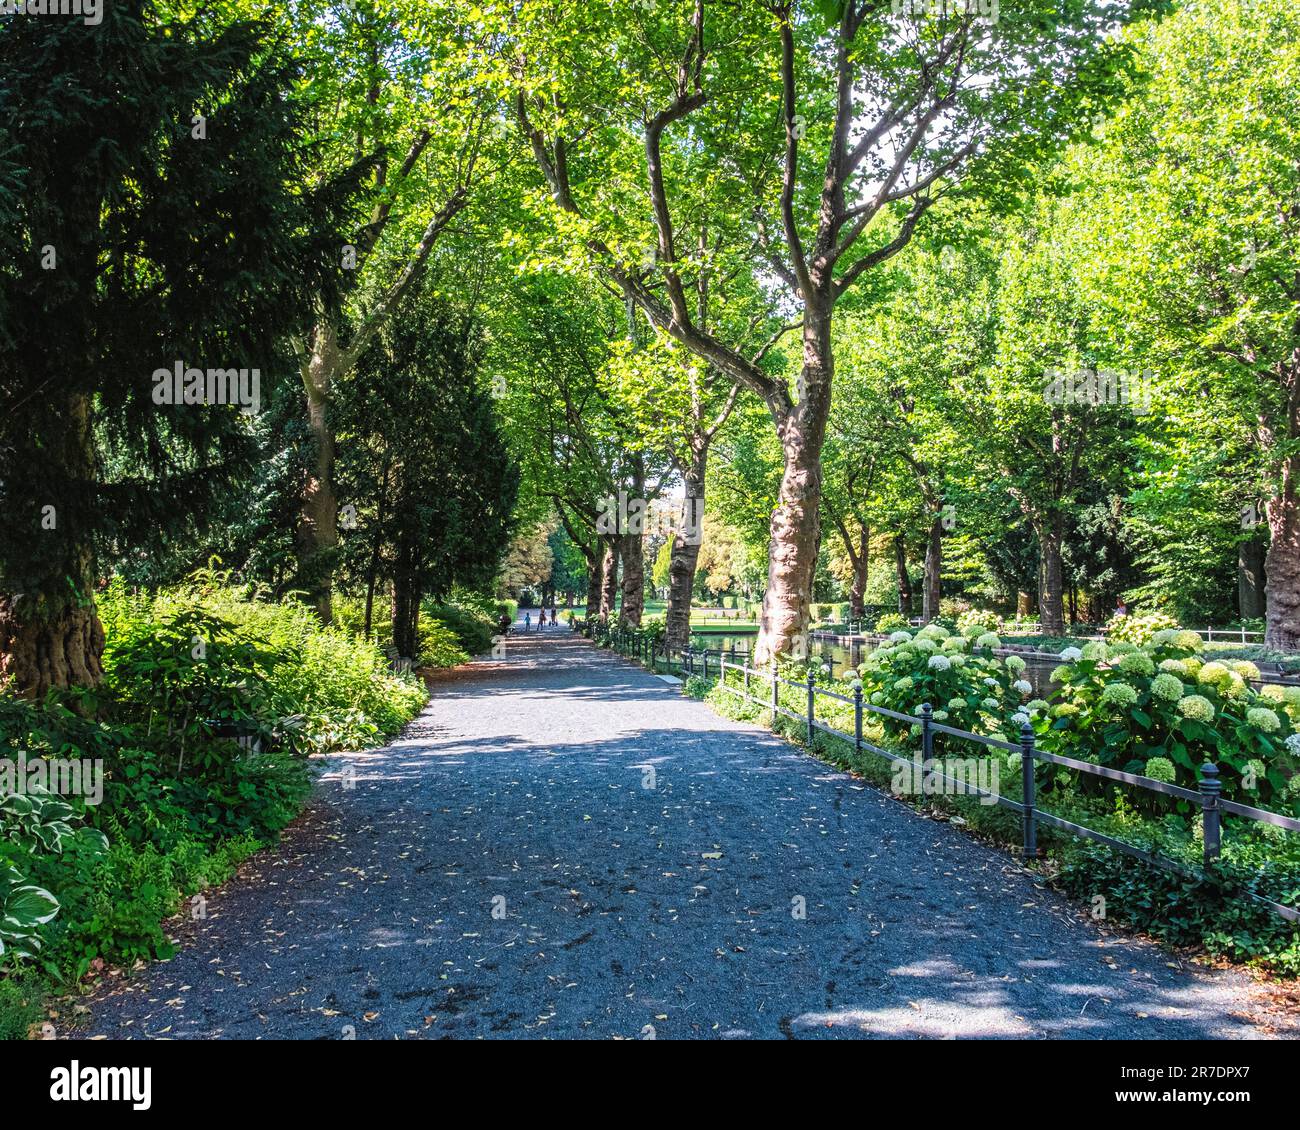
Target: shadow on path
{"type": "Point", "coordinates": [561, 845]}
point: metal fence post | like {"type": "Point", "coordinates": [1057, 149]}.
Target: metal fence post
{"type": "Point", "coordinates": [706, 662]}
{"type": "Point", "coordinates": [812, 694]}
{"type": "Point", "coordinates": [1211, 814]}
{"type": "Point", "coordinates": [857, 719]}
{"type": "Point", "coordinates": [927, 734]}
{"type": "Point", "coordinates": [1028, 822]}
{"type": "Point", "coordinates": [776, 695]}
{"type": "Point", "coordinates": [744, 672]}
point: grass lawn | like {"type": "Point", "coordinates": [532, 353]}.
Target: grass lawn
{"type": "Point", "coordinates": [698, 619]}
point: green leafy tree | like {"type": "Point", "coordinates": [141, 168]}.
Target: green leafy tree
{"type": "Point", "coordinates": [424, 439]}
{"type": "Point", "coordinates": [813, 138]}
{"type": "Point", "coordinates": [158, 211]}
{"type": "Point", "coordinates": [1195, 238]}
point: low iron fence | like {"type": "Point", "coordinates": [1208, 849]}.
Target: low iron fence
{"type": "Point", "coordinates": [1034, 628]}
{"type": "Point", "coordinates": [648, 647]}
{"type": "Point", "coordinates": [1207, 797]}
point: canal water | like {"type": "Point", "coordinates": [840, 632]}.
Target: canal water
{"type": "Point", "coordinates": [840, 655]}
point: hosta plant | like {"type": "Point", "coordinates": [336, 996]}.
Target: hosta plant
{"type": "Point", "coordinates": [35, 820]}
{"type": "Point", "coordinates": [24, 909]}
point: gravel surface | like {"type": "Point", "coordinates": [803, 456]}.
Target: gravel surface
{"type": "Point", "coordinates": [510, 867]}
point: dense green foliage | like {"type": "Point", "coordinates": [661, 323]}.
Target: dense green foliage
{"type": "Point", "coordinates": [1024, 350]}
{"type": "Point", "coordinates": [210, 707]}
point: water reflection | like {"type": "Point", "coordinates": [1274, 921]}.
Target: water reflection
{"type": "Point", "coordinates": [841, 655]}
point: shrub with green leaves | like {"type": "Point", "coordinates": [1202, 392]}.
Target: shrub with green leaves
{"type": "Point", "coordinates": [697, 686]}
{"type": "Point", "coordinates": [1138, 629]}
{"type": "Point", "coordinates": [472, 628]}
{"type": "Point", "coordinates": [274, 662]}
{"type": "Point", "coordinates": [187, 673]}
{"type": "Point", "coordinates": [965, 684]}
{"type": "Point", "coordinates": [891, 622]}
{"type": "Point", "coordinates": [978, 621]}
{"type": "Point", "coordinates": [1123, 706]}
{"type": "Point", "coordinates": [37, 828]}
{"type": "Point", "coordinates": [21, 995]}
{"type": "Point", "coordinates": [439, 645]}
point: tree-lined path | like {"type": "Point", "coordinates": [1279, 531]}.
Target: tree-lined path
{"type": "Point", "coordinates": [523, 790]}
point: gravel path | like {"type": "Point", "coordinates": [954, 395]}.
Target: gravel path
{"type": "Point", "coordinates": [502, 870]}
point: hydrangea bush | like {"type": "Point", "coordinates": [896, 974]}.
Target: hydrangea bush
{"type": "Point", "coordinates": [979, 618]}
{"type": "Point", "coordinates": [1139, 629]}
{"type": "Point", "coordinates": [1161, 711]}
{"type": "Point", "coordinates": [965, 684]}
{"type": "Point", "coordinates": [890, 622]}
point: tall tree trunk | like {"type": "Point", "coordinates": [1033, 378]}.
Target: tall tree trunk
{"type": "Point", "coordinates": [1051, 576]}
{"type": "Point", "coordinates": [609, 581]}
{"type": "Point", "coordinates": [406, 604]}
{"type": "Point", "coordinates": [792, 552]}
{"type": "Point", "coordinates": [50, 634]}
{"type": "Point", "coordinates": [633, 580]}
{"type": "Point", "coordinates": [1282, 564]}
{"type": "Point", "coordinates": [595, 578]}
{"type": "Point", "coordinates": [904, 577]}
{"type": "Point", "coordinates": [795, 531]}
{"type": "Point", "coordinates": [317, 535]}
{"type": "Point", "coordinates": [933, 569]}
{"type": "Point", "coordinates": [858, 591]}
{"type": "Point", "coordinates": [686, 555]}
{"type": "Point", "coordinates": [857, 546]}
{"type": "Point", "coordinates": [372, 571]}
{"type": "Point", "coordinates": [632, 552]}
{"type": "Point", "coordinates": [1250, 578]}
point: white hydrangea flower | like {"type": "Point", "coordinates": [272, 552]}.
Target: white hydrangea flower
{"type": "Point", "coordinates": [1020, 718]}
{"type": "Point", "coordinates": [900, 637]}
{"type": "Point", "coordinates": [1015, 664]}
{"type": "Point", "coordinates": [988, 639]}
{"type": "Point", "coordinates": [1167, 687]}
{"type": "Point", "coordinates": [938, 663]}
{"type": "Point", "coordinates": [1024, 686]}
{"type": "Point", "coordinates": [1071, 654]}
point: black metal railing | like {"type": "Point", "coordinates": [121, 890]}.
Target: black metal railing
{"type": "Point", "coordinates": [1207, 796]}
